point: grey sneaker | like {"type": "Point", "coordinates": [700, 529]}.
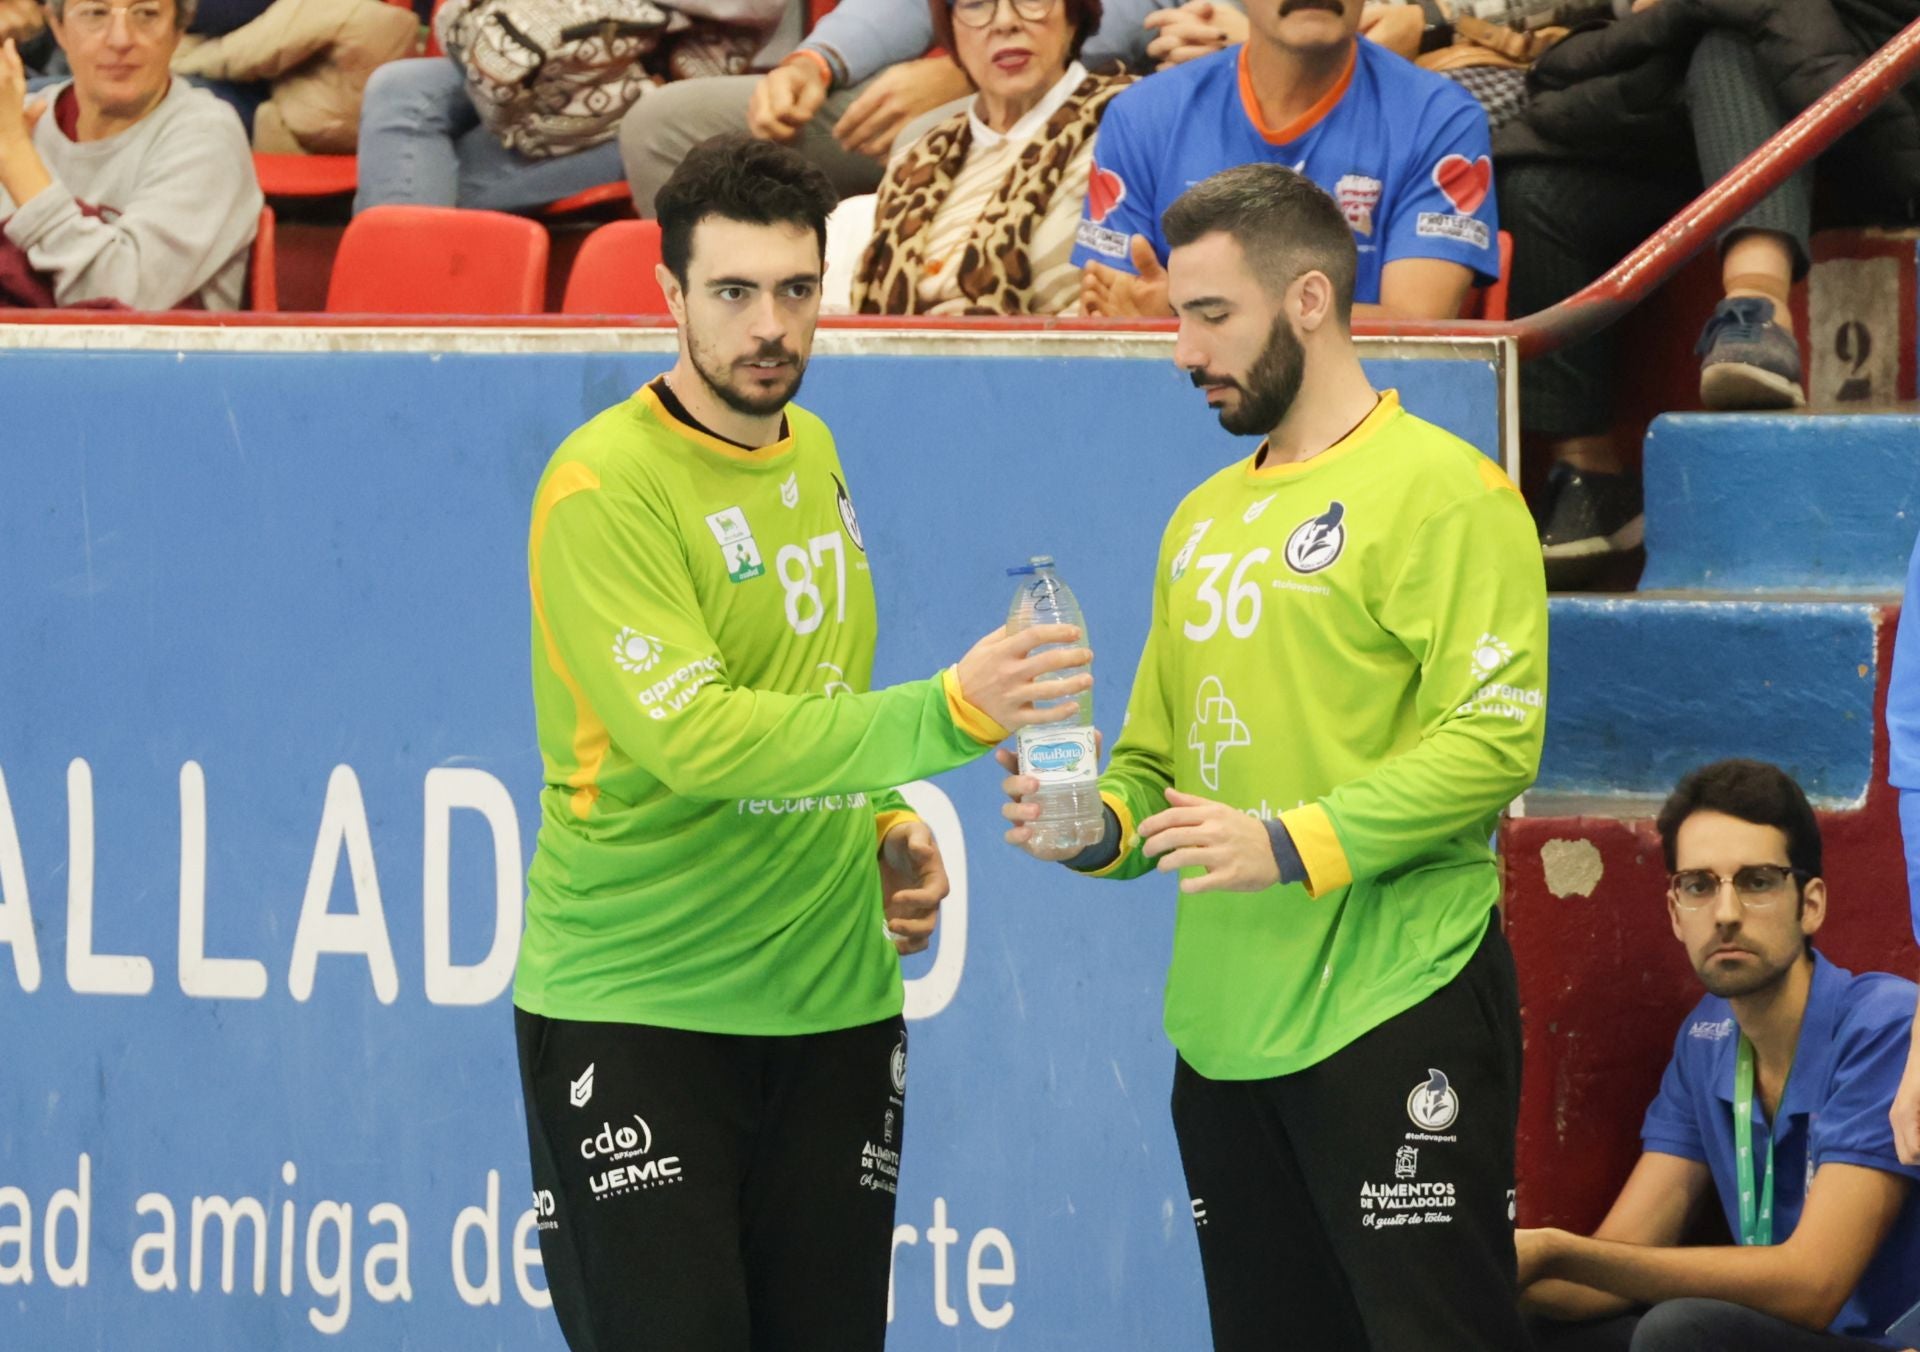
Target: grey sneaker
{"type": "Point", "coordinates": [1590, 525]}
{"type": "Point", "coordinates": [1747, 360]}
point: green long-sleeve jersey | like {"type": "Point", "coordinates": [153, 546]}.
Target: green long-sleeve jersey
{"type": "Point", "coordinates": [717, 773]}
{"type": "Point", "coordinates": [1355, 644]}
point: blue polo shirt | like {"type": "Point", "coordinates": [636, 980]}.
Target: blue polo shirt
{"type": "Point", "coordinates": [1404, 152]}
{"type": "Point", "coordinates": [1853, 1047]}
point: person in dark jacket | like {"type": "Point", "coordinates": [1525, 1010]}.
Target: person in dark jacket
{"type": "Point", "coordinates": [1625, 124]}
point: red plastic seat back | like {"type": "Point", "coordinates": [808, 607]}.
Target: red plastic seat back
{"type": "Point", "coordinates": [613, 274]}
{"type": "Point", "coordinates": [263, 277]}
{"type": "Point", "coordinates": [439, 261]}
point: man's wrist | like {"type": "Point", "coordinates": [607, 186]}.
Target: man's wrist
{"type": "Point", "coordinates": [815, 61]}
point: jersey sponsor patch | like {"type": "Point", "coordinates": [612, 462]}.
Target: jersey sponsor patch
{"type": "Point", "coordinates": [1105, 191]}
{"type": "Point", "coordinates": [790, 491]}
{"type": "Point", "coordinates": [1185, 556]}
{"type": "Point", "coordinates": [1216, 729]}
{"type": "Point", "coordinates": [737, 545]}
{"type": "Point", "coordinates": [1464, 229]}
{"type": "Point", "coordinates": [1357, 196]}
{"type": "Point", "coordinates": [1318, 541]}
{"type": "Point", "coordinates": [1101, 240]}
{"type": "Point", "coordinates": [1465, 182]}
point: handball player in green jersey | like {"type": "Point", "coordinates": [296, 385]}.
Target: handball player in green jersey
{"type": "Point", "coordinates": [708, 997]}
{"type": "Point", "coordinates": [1343, 685]}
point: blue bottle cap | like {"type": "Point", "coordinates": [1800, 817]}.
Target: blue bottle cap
{"type": "Point", "coordinates": [1025, 570]}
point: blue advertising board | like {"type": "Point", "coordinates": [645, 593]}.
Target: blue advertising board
{"type": "Point", "coordinates": [268, 789]}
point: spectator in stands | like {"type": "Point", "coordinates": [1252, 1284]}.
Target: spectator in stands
{"type": "Point", "coordinates": [295, 69]}
{"type": "Point", "coordinates": [978, 215]}
{"type": "Point", "coordinates": [124, 185]}
{"type": "Point", "coordinates": [24, 23]}
{"type": "Point", "coordinates": [1774, 1104]}
{"type": "Point", "coordinates": [843, 96]}
{"type": "Point", "coordinates": [1625, 124]}
{"type": "Point", "coordinates": [424, 142]}
{"type": "Point", "coordinates": [1404, 153]}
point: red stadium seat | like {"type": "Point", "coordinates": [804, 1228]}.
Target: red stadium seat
{"type": "Point", "coordinates": [263, 281]}
{"type": "Point", "coordinates": [607, 200]}
{"type": "Point", "coordinates": [439, 261]}
{"type": "Point", "coordinates": [1490, 302]}
{"type": "Point", "coordinates": [613, 274]}
{"type": "Point", "coordinates": [306, 175]}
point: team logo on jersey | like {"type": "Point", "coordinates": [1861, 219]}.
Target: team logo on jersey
{"type": "Point", "coordinates": [1406, 1162]}
{"type": "Point", "coordinates": [847, 518]}
{"type": "Point", "coordinates": [1216, 728]}
{"type": "Point", "coordinates": [1185, 556]}
{"type": "Point", "coordinates": [1357, 196]}
{"type": "Point", "coordinates": [737, 546]}
{"type": "Point", "coordinates": [790, 491]}
{"type": "Point", "coordinates": [835, 681]}
{"type": "Point", "coordinates": [1433, 1105]}
{"type": "Point", "coordinates": [635, 651]}
{"type": "Point", "coordinates": [1316, 543]}
{"type": "Point", "coordinates": [1489, 655]}
{"type": "Point", "coordinates": [897, 1066]}
{"type": "Point", "coordinates": [580, 1091]}
{"type": "Point", "coordinates": [1255, 512]}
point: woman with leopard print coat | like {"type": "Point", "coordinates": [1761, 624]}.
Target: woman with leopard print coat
{"type": "Point", "coordinates": [978, 216]}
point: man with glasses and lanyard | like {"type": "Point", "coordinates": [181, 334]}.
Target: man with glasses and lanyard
{"type": "Point", "coordinates": [1775, 1102]}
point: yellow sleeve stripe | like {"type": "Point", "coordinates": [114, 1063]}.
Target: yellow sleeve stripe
{"type": "Point", "coordinates": [974, 722]}
{"type": "Point", "coordinates": [1313, 835]}
{"type": "Point", "coordinates": [590, 740]}
{"type": "Point", "coordinates": [1127, 841]}
{"type": "Point", "coordinates": [884, 822]}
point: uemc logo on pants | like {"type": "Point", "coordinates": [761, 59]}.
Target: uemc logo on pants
{"type": "Point", "coordinates": [626, 1142]}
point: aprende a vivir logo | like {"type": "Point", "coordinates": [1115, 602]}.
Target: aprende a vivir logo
{"type": "Point", "coordinates": [1106, 190]}
{"type": "Point", "coordinates": [635, 651]}
{"type": "Point", "coordinates": [580, 1092]}
{"type": "Point", "coordinates": [1465, 182]}
{"type": "Point", "coordinates": [1433, 1104]}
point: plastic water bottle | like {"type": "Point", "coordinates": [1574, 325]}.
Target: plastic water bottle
{"type": "Point", "coordinates": [1060, 755]}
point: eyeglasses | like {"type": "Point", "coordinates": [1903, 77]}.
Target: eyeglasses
{"type": "Point", "coordinates": [979, 13]}
{"type": "Point", "coordinates": [143, 20]}
{"type": "Point", "coordinates": [1757, 886]}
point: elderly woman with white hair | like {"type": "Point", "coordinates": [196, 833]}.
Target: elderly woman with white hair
{"type": "Point", "coordinates": [122, 186]}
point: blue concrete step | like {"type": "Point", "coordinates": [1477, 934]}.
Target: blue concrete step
{"type": "Point", "coordinates": [1748, 502]}
{"type": "Point", "coordinates": [1643, 688]}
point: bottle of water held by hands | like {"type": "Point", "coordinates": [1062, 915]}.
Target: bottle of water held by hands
{"type": "Point", "coordinates": [1060, 755]}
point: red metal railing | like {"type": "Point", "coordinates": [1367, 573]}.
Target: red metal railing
{"type": "Point", "coordinates": [1667, 250]}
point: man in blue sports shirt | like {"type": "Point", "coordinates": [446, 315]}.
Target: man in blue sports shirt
{"type": "Point", "coordinates": [1775, 1103]}
{"type": "Point", "coordinates": [1404, 152]}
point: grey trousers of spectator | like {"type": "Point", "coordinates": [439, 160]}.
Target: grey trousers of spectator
{"type": "Point", "coordinates": [1691, 1325]}
{"type": "Point", "coordinates": [1572, 221]}
{"type": "Point", "coordinates": [660, 129]}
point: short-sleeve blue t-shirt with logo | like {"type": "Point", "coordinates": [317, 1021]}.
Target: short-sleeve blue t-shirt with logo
{"type": "Point", "coordinates": [1846, 1069]}
{"type": "Point", "coordinates": [1403, 151]}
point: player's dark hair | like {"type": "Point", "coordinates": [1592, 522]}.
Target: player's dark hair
{"type": "Point", "coordinates": [738, 178]}
{"type": "Point", "coordinates": [1283, 222]}
{"type": "Point", "coordinates": [1754, 792]}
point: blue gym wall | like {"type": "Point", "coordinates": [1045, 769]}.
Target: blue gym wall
{"type": "Point", "coordinates": [268, 566]}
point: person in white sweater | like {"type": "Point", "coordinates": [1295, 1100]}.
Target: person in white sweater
{"type": "Point", "coordinates": [123, 186]}
{"type": "Point", "coordinates": [978, 216]}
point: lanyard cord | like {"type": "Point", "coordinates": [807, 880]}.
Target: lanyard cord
{"type": "Point", "coordinates": [1756, 1214]}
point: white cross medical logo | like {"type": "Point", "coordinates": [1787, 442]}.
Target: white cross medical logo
{"type": "Point", "coordinates": [1216, 727]}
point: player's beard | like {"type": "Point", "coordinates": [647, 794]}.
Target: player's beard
{"type": "Point", "coordinates": [1746, 979]}
{"type": "Point", "coordinates": [720, 377]}
{"type": "Point", "coordinates": [1270, 386]}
